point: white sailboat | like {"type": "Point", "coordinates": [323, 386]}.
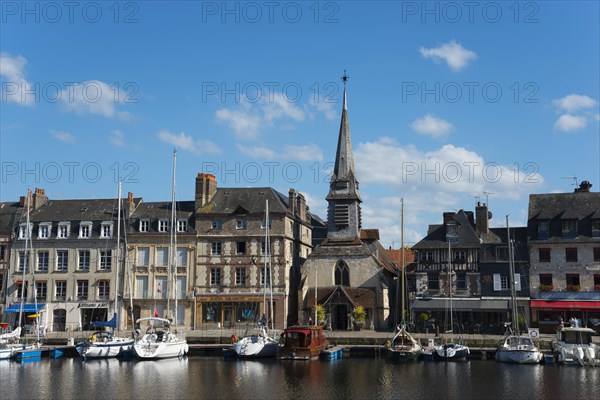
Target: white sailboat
{"type": "Point", "coordinates": [516, 348]}
{"type": "Point", "coordinates": [258, 343]}
{"type": "Point", "coordinates": [402, 346]}
{"type": "Point", "coordinates": [104, 344]}
{"type": "Point", "coordinates": [451, 350]}
{"type": "Point", "coordinates": [159, 341]}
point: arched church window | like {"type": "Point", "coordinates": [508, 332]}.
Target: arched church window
{"type": "Point", "coordinates": [342, 274]}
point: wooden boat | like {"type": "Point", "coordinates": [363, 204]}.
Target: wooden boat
{"type": "Point", "coordinates": [303, 342]}
{"type": "Point", "coordinates": [403, 347]}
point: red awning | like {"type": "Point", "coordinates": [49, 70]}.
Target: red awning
{"type": "Point", "coordinates": [571, 305]}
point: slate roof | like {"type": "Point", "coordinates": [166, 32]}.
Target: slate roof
{"type": "Point", "coordinates": [10, 213]}
{"type": "Point", "coordinates": [245, 201]}
{"type": "Point", "coordinates": [467, 236]}
{"type": "Point", "coordinates": [358, 296]}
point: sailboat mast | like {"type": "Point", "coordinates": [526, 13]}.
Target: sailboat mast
{"type": "Point", "coordinates": [174, 237]}
{"type": "Point", "coordinates": [513, 292]}
{"type": "Point", "coordinates": [450, 286]}
{"type": "Point", "coordinates": [116, 306]}
{"type": "Point", "coordinates": [27, 257]}
{"type": "Point", "coordinates": [403, 259]}
{"type": "Point", "coordinates": [268, 243]}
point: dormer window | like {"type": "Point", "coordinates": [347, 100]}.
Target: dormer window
{"type": "Point", "coordinates": [163, 225]}
{"type": "Point", "coordinates": [240, 224]}
{"type": "Point", "coordinates": [144, 225]}
{"type": "Point", "coordinates": [25, 233]}
{"type": "Point", "coordinates": [569, 228]}
{"type": "Point", "coordinates": [44, 230]}
{"type": "Point", "coordinates": [64, 229]}
{"type": "Point", "coordinates": [596, 227]}
{"type": "Point", "coordinates": [217, 224]}
{"type": "Point", "coordinates": [263, 224]}
{"type": "Point", "coordinates": [543, 229]}
{"type": "Point", "coordinates": [106, 230]}
{"type": "Point", "coordinates": [182, 225]}
{"type": "Point", "coordinates": [451, 232]}
{"type": "Point", "coordinates": [85, 230]}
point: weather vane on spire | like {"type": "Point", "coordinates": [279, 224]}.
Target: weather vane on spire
{"type": "Point", "coordinates": [345, 78]}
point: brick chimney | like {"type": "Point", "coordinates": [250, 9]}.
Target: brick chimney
{"type": "Point", "coordinates": [481, 219]}
{"type": "Point", "coordinates": [206, 187]}
{"type": "Point", "coordinates": [584, 187]}
{"type": "Point", "coordinates": [292, 201]}
{"type": "Point", "coordinates": [39, 198]}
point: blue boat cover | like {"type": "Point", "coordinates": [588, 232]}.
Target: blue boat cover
{"type": "Point", "coordinates": [27, 308]}
{"type": "Point", "coordinates": [111, 324]}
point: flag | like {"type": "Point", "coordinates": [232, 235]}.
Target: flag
{"type": "Point", "coordinates": [158, 288]}
{"type": "Point", "coordinates": [155, 313]}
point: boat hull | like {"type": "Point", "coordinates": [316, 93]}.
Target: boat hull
{"type": "Point", "coordinates": [451, 351]}
{"type": "Point", "coordinates": [519, 356]}
{"type": "Point", "coordinates": [104, 350]}
{"type": "Point", "coordinates": [403, 355]}
{"type": "Point", "coordinates": [252, 347]}
{"type": "Point", "coordinates": [150, 350]}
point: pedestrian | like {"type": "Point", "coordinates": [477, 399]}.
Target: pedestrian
{"type": "Point", "coordinates": [560, 323]}
{"type": "Point", "coordinates": [310, 320]}
{"type": "Point", "coordinates": [573, 322]}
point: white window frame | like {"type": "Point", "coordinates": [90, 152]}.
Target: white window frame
{"type": "Point", "coordinates": [241, 224]}
{"type": "Point", "coordinates": [105, 260]}
{"type": "Point", "coordinates": [144, 225]}
{"type": "Point", "coordinates": [23, 261]}
{"type": "Point", "coordinates": [163, 225]}
{"type": "Point", "coordinates": [89, 256]}
{"type": "Point", "coordinates": [140, 261]}
{"type": "Point", "coordinates": [162, 261]}
{"type": "Point", "coordinates": [182, 257]}
{"type": "Point", "coordinates": [214, 274]}
{"type": "Point", "coordinates": [182, 224]}
{"type": "Point", "coordinates": [59, 266]}
{"type": "Point", "coordinates": [23, 233]}
{"type": "Point", "coordinates": [106, 229]}
{"type": "Point", "coordinates": [45, 230]}
{"type": "Point", "coordinates": [216, 248]}
{"type": "Point", "coordinates": [81, 285]}
{"type": "Point", "coordinates": [85, 230]}
{"type": "Point", "coordinates": [64, 230]}
{"type": "Point", "coordinates": [217, 224]}
{"type": "Point", "coordinates": [103, 289]}
{"type": "Point", "coordinates": [40, 285]}
{"type": "Point", "coordinates": [39, 266]}
{"type": "Point", "coordinates": [62, 296]}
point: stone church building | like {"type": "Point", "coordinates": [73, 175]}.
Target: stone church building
{"type": "Point", "coordinates": [350, 267]}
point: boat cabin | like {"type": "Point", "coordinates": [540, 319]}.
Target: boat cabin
{"type": "Point", "coordinates": [575, 335]}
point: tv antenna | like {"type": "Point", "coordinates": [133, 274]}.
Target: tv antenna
{"type": "Point", "coordinates": [573, 178]}
{"type": "Point", "coordinates": [487, 195]}
{"type": "Point", "coordinates": [478, 198]}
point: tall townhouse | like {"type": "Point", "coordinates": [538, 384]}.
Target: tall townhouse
{"type": "Point", "coordinates": [69, 268]}
{"type": "Point", "coordinates": [10, 213]}
{"type": "Point", "coordinates": [161, 276]}
{"type": "Point", "coordinates": [465, 256]}
{"type": "Point", "coordinates": [564, 247]}
{"type": "Point", "coordinates": [236, 268]}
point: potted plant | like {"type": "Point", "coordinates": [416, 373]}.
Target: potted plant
{"type": "Point", "coordinates": [573, 288]}
{"type": "Point", "coordinates": [320, 308]}
{"type": "Point", "coordinates": [359, 314]}
{"type": "Point", "coordinates": [546, 288]}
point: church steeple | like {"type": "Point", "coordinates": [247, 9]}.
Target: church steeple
{"type": "Point", "coordinates": [343, 216]}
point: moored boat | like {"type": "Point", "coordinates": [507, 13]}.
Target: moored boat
{"type": "Point", "coordinates": [158, 341]}
{"type": "Point", "coordinates": [403, 347]}
{"type": "Point", "coordinates": [574, 346]}
{"type": "Point", "coordinates": [303, 342]}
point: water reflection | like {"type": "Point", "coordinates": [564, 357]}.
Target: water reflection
{"type": "Point", "coordinates": [213, 378]}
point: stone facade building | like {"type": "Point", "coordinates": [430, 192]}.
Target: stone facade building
{"type": "Point", "coordinates": [564, 248]}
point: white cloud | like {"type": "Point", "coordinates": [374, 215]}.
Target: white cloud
{"type": "Point", "coordinates": [94, 97]}
{"type": "Point", "coordinates": [307, 152]}
{"type": "Point", "coordinates": [14, 83]}
{"type": "Point", "coordinates": [257, 152]}
{"type": "Point", "coordinates": [456, 56]}
{"type": "Point", "coordinates": [432, 126]}
{"type": "Point", "coordinates": [325, 107]}
{"type": "Point", "coordinates": [244, 124]}
{"type": "Point", "coordinates": [117, 138]}
{"type": "Point", "coordinates": [187, 143]}
{"type": "Point", "coordinates": [279, 108]}
{"type": "Point", "coordinates": [63, 136]}
{"type": "Point", "coordinates": [569, 123]}
{"type": "Point", "coordinates": [574, 102]}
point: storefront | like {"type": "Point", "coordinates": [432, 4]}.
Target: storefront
{"type": "Point", "coordinates": [546, 313]}
{"type": "Point", "coordinates": [230, 310]}
{"type": "Point", "coordinates": [90, 312]}
{"type": "Point", "coordinates": [31, 314]}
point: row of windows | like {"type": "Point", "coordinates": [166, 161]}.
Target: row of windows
{"type": "Point", "coordinates": [572, 281]}
{"type": "Point", "coordinates": [61, 261]}
{"type": "Point", "coordinates": [63, 230]}
{"type": "Point", "coordinates": [457, 255]}
{"type": "Point", "coordinates": [433, 281]}
{"type": "Point", "coordinates": [240, 224]}
{"type": "Point", "coordinates": [60, 290]}
{"type": "Point", "coordinates": [569, 228]}
{"type": "Point", "coordinates": [241, 276]}
{"type": "Point", "coordinates": [216, 248]}
{"type": "Point", "coordinates": [164, 225]}
{"type": "Point", "coordinates": [161, 288]}
{"type": "Point", "coordinates": [544, 254]}
{"type": "Point", "coordinates": [161, 256]}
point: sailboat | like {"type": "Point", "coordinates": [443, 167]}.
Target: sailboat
{"type": "Point", "coordinates": [402, 346]}
{"type": "Point", "coordinates": [450, 350]}
{"type": "Point", "coordinates": [104, 344]}
{"type": "Point", "coordinates": [31, 351]}
{"type": "Point", "coordinates": [258, 343]}
{"type": "Point", "coordinates": [159, 341]}
{"type": "Point", "coordinates": [516, 348]}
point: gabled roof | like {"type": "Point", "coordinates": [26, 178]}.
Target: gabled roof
{"type": "Point", "coordinates": [231, 200]}
{"type": "Point", "coordinates": [357, 296]}
{"type": "Point", "coordinates": [436, 238]}
{"type": "Point", "coordinates": [76, 210]}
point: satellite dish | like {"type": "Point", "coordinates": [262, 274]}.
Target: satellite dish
{"type": "Point", "coordinates": [489, 215]}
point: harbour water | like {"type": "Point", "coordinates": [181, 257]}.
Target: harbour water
{"type": "Point", "coordinates": [355, 378]}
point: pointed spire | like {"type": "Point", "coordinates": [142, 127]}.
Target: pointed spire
{"type": "Point", "coordinates": [344, 79]}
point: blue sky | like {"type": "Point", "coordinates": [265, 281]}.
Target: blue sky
{"type": "Point", "coordinates": [448, 102]}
